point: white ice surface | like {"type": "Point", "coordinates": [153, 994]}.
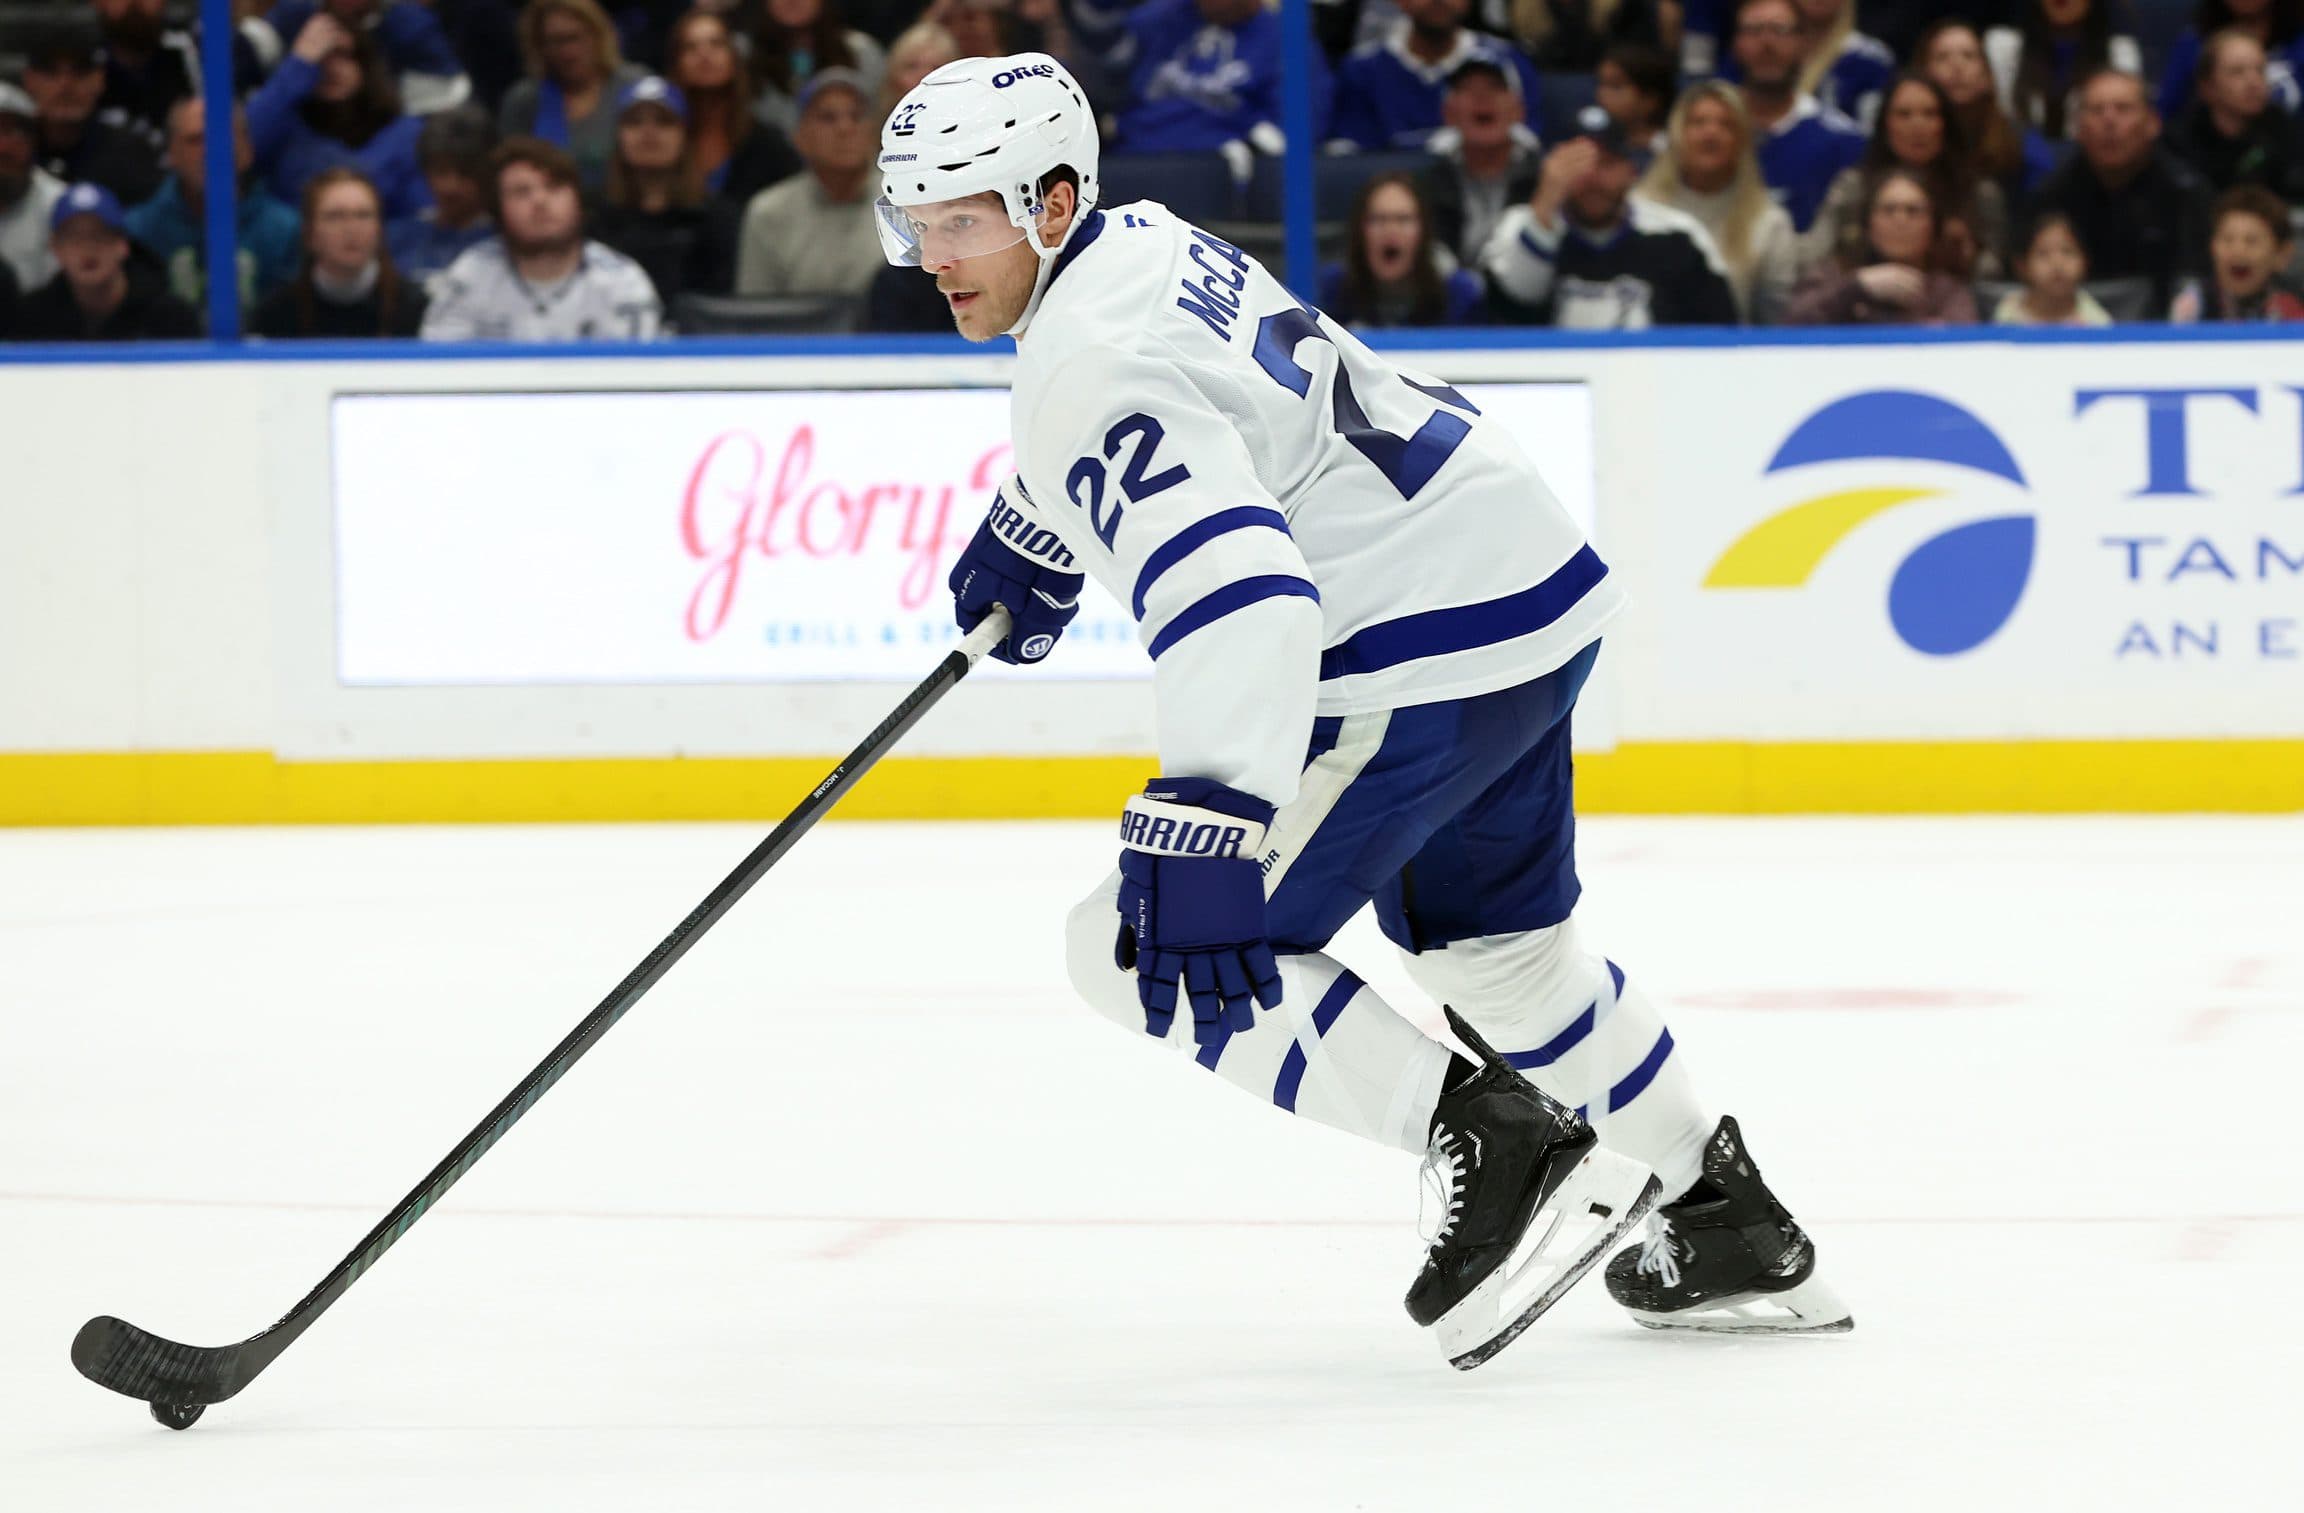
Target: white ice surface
{"type": "Point", "coordinates": [858, 1211]}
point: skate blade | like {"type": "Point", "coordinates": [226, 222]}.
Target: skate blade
{"type": "Point", "coordinates": [1603, 1198]}
{"type": "Point", "coordinates": [1810, 1308]}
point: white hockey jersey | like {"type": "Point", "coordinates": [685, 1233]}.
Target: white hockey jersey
{"type": "Point", "coordinates": [482, 297]}
{"type": "Point", "coordinates": [1298, 526]}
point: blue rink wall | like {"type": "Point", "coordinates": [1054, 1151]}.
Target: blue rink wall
{"type": "Point", "coordinates": [1939, 572]}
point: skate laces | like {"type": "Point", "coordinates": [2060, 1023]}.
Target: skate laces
{"type": "Point", "coordinates": [1658, 1257]}
{"type": "Point", "coordinates": [1440, 1200]}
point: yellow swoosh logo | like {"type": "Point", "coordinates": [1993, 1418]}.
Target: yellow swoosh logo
{"type": "Point", "coordinates": [1781, 551]}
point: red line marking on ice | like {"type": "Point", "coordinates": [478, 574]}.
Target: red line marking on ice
{"type": "Point", "coordinates": [859, 1239]}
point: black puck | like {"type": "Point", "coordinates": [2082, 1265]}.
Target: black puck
{"type": "Point", "coordinates": [178, 1415]}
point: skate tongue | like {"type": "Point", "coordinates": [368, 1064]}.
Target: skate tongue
{"type": "Point", "coordinates": [1472, 1041]}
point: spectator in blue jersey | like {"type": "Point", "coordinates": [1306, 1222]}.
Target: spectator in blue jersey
{"type": "Point", "coordinates": [2014, 156]}
{"type": "Point", "coordinates": [410, 43]}
{"type": "Point", "coordinates": [172, 225]}
{"type": "Point", "coordinates": [1803, 146]}
{"type": "Point", "coordinates": [452, 153]}
{"type": "Point", "coordinates": [1204, 75]}
{"type": "Point", "coordinates": [1571, 36]}
{"type": "Point", "coordinates": [1587, 254]}
{"type": "Point", "coordinates": [2041, 62]}
{"type": "Point", "coordinates": [1844, 69]}
{"type": "Point", "coordinates": [330, 104]}
{"type": "Point", "coordinates": [1393, 272]}
{"type": "Point", "coordinates": [2276, 25]}
{"type": "Point", "coordinates": [2232, 133]}
{"type": "Point", "coordinates": [576, 69]}
{"type": "Point", "coordinates": [1484, 159]}
{"type": "Point", "coordinates": [1388, 94]}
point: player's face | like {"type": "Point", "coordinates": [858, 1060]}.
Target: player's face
{"type": "Point", "coordinates": [981, 262]}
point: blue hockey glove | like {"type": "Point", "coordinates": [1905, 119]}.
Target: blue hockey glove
{"type": "Point", "coordinates": [1040, 595]}
{"type": "Point", "coordinates": [1192, 906]}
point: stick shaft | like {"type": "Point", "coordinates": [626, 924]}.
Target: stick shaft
{"type": "Point", "coordinates": [625, 995]}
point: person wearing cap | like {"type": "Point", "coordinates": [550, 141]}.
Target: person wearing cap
{"type": "Point", "coordinates": [172, 225]}
{"type": "Point", "coordinates": [1585, 254]}
{"type": "Point", "coordinates": [816, 231]}
{"type": "Point", "coordinates": [576, 72]}
{"type": "Point", "coordinates": [28, 193]}
{"type": "Point", "coordinates": [1484, 159]}
{"type": "Point", "coordinates": [332, 103]}
{"type": "Point", "coordinates": [539, 279]}
{"type": "Point", "coordinates": [64, 75]}
{"type": "Point", "coordinates": [452, 153]}
{"type": "Point", "coordinates": [1205, 75]}
{"type": "Point", "coordinates": [1803, 144]}
{"type": "Point", "coordinates": [97, 294]}
{"type": "Point", "coordinates": [655, 210]}
{"type": "Point", "coordinates": [1389, 94]}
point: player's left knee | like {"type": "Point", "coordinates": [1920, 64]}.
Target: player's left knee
{"type": "Point", "coordinates": [1529, 978]}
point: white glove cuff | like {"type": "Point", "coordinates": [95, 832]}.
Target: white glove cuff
{"type": "Point", "coordinates": [1184, 830]}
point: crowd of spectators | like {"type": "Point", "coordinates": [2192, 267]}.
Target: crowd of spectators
{"type": "Point", "coordinates": [564, 170]}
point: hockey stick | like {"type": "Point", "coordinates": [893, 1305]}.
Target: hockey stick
{"type": "Point", "coordinates": [179, 1381]}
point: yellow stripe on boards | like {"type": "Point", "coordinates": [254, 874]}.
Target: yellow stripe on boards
{"type": "Point", "coordinates": [246, 787]}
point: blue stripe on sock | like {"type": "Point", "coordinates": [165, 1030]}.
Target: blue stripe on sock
{"type": "Point", "coordinates": [1643, 1074]}
{"type": "Point", "coordinates": [1323, 1015]}
{"type": "Point", "coordinates": [1559, 1045]}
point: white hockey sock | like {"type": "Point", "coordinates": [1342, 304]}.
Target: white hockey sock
{"type": "Point", "coordinates": [1578, 1028]}
{"type": "Point", "coordinates": [1334, 1051]}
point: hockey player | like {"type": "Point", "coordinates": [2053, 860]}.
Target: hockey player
{"type": "Point", "coordinates": [1369, 621]}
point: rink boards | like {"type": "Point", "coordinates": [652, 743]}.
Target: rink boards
{"type": "Point", "coordinates": [1921, 575]}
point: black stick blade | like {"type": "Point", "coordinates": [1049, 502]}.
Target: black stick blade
{"type": "Point", "coordinates": [116, 1354]}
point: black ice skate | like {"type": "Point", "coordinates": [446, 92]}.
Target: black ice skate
{"type": "Point", "coordinates": [1528, 1203]}
{"type": "Point", "coordinates": [1726, 1257]}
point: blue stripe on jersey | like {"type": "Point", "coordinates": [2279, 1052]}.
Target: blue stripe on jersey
{"type": "Point", "coordinates": [1293, 1068]}
{"type": "Point", "coordinates": [1232, 596]}
{"type": "Point", "coordinates": [1181, 545]}
{"type": "Point", "coordinates": [1536, 249]}
{"type": "Point", "coordinates": [1438, 632]}
{"type": "Point", "coordinates": [1637, 1082]}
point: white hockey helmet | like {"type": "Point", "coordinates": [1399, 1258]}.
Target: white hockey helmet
{"type": "Point", "coordinates": [982, 125]}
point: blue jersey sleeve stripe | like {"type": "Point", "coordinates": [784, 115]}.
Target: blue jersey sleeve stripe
{"type": "Point", "coordinates": [1296, 1064]}
{"type": "Point", "coordinates": [1232, 596]}
{"type": "Point", "coordinates": [1440, 632]}
{"type": "Point", "coordinates": [1196, 535]}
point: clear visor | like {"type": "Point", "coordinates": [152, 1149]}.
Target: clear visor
{"type": "Point", "coordinates": [916, 236]}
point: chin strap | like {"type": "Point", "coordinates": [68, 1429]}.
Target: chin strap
{"type": "Point", "coordinates": [1048, 257]}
